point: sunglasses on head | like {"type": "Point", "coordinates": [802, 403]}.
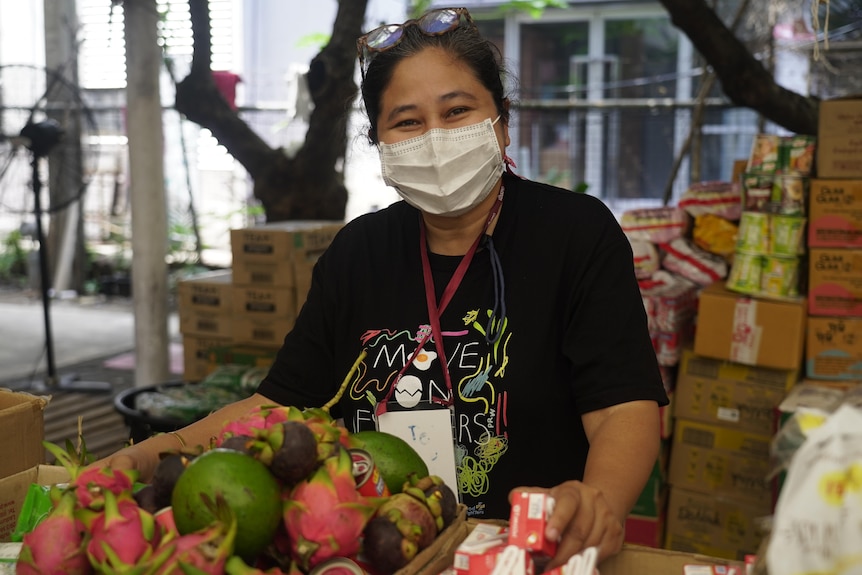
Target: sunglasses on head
{"type": "Point", "coordinates": [433, 23]}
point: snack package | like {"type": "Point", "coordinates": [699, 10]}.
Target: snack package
{"type": "Point", "coordinates": [800, 154]}
{"type": "Point", "coordinates": [717, 198]}
{"type": "Point", "coordinates": [683, 257]}
{"type": "Point", "coordinates": [715, 235]}
{"type": "Point", "coordinates": [646, 258]}
{"type": "Point", "coordinates": [817, 524]}
{"type": "Point", "coordinates": [656, 225]}
{"type": "Point", "coordinates": [764, 154]}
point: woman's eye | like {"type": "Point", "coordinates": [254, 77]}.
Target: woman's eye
{"type": "Point", "coordinates": [457, 111]}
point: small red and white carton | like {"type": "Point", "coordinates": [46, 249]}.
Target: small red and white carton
{"type": "Point", "coordinates": [513, 560]}
{"type": "Point", "coordinates": [527, 521]}
{"type": "Point", "coordinates": [477, 554]}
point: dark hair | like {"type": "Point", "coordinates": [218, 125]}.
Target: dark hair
{"type": "Point", "coordinates": [463, 43]}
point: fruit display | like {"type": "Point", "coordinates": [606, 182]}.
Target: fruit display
{"type": "Point", "coordinates": [281, 490]}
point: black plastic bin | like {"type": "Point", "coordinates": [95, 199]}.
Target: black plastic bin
{"type": "Point", "coordinates": [142, 425]}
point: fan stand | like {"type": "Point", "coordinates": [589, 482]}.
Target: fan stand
{"type": "Point", "coordinates": [41, 138]}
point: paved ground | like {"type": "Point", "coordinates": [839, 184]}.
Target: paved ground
{"type": "Point", "coordinates": [85, 331]}
{"type": "Point", "coordinates": [93, 342]}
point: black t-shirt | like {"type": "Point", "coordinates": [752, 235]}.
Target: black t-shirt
{"type": "Point", "coordinates": [574, 338]}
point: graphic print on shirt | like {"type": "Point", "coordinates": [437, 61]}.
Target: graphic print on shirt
{"type": "Point", "coordinates": [477, 372]}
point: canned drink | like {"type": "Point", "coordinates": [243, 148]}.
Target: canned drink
{"type": "Point", "coordinates": [764, 154]}
{"type": "Point", "coordinates": [801, 154]}
{"type": "Point", "coordinates": [757, 191]}
{"type": "Point", "coordinates": [789, 195]}
{"type": "Point", "coordinates": [369, 481]}
{"type": "Point", "coordinates": [787, 235]}
{"type": "Point", "coordinates": [337, 566]}
{"type": "Point", "coordinates": [753, 234]}
{"type": "Point", "coordinates": [745, 273]}
{"type": "Point", "coordinates": [780, 276]}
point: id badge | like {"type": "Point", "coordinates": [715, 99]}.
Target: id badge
{"type": "Point", "coordinates": [429, 432]}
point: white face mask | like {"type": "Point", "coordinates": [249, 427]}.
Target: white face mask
{"type": "Point", "coordinates": [445, 172]}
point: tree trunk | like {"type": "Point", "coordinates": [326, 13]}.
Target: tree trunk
{"type": "Point", "coordinates": [148, 200]}
{"type": "Point", "coordinates": [743, 78]}
{"type": "Point", "coordinates": [309, 185]}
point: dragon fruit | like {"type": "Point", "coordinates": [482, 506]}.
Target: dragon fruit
{"type": "Point", "coordinates": [56, 545]}
{"type": "Point", "coordinates": [324, 515]}
{"type": "Point", "coordinates": [203, 551]}
{"type": "Point", "coordinates": [91, 484]}
{"type": "Point", "coordinates": [258, 418]}
{"type": "Point", "coordinates": [121, 535]}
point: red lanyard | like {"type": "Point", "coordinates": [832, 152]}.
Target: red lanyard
{"type": "Point", "coordinates": [435, 309]}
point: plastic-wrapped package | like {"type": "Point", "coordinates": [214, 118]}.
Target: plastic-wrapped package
{"type": "Point", "coordinates": [683, 257]}
{"type": "Point", "coordinates": [646, 258]}
{"type": "Point", "coordinates": [670, 301]}
{"type": "Point", "coordinates": [718, 198]}
{"type": "Point", "coordinates": [715, 234]}
{"type": "Point", "coordinates": [656, 225]}
{"type": "Point", "coordinates": [817, 524]}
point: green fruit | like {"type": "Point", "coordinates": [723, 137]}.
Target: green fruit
{"type": "Point", "coordinates": [247, 486]}
{"type": "Point", "coordinates": [395, 458]}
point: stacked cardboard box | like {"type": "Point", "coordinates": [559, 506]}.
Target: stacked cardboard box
{"type": "Point", "coordinates": [272, 266]}
{"type": "Point", "coordinates": [205, 309]}
{"type": "Point", "coordinates": [834, 341]}
{"type": "Point", "coordinates": [719, 461]}
{"type": "Point", "coordinates": [22, 426]}
{"type": "Point", "coordinates": [241, 315]}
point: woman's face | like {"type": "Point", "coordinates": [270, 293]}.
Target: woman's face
{"type": "Point", "coordinates": [431, 90]}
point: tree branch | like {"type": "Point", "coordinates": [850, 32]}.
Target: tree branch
{"type": "Point", "coordinates": [743, 78]}
{"type": "Point", "coordinates": [200, 101]}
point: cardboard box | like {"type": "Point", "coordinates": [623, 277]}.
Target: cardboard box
{"type": "Point", "coordinates": [196, 362]}
{"type": "Point", "coordinates": [750, 330]}
{"type": "Point", "coordinates": [204, 324]}
{"type": "Point", "coordinates": [13, 490]}
{"type": "Point", "coordinates": [263, 332]}
{"type": "Point", "coordinates": [282, 241]}
{"type": "Point", "coordinates": [834, 348]}
{"type": "Point", "coordinates": [725, 473]}
{"type": "Point", "coordinates": [22, 427]}
{"type": "Point", "coordinates": [835, 282]}
{"type": "Point", "coordinates": [278, 274]}
{"type": "Point", "coordinates": [711, 525]}
{"type": "Point", "coordinates": [264, 301]}
{"type": "Point", "coordinates": [638, 560]}
{"type": "Point", "coordinates": [835, 214]}
{"type": "Point", "coordinates": [206, 292]}
{"type": "Point", "coordinates": [726, 393]}
{"type": "Point", "coordinates": [839, 138]}
{"type": "Point", "coordinates": [710, 436]}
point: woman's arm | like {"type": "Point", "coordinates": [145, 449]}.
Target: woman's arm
{"type": "Point", "coordinates": [144, 456]}
{"type": "Point", "coordinates": [624, 445]}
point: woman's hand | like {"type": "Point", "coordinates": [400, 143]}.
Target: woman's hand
{"type": "Point", "coordinates": [582, 518]}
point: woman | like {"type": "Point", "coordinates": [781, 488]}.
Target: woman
{"type": "Point", "coordinates": [552, 382]}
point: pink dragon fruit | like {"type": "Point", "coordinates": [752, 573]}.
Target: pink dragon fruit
{"type": "Point", "coordinates": [204, 551]}
{"type": "Point", "coordinates": [121, 535]}
{"type": "Point", "coordinates": [56, 545]}
{"type": "Point", "coordinates": [166, 527]}
{"type": "Point", "coordinates": [324, 515]}
{"type": "Point", "coordinates": [91, 483]}
{"type": "Point", "coordinates": [259, 417]}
